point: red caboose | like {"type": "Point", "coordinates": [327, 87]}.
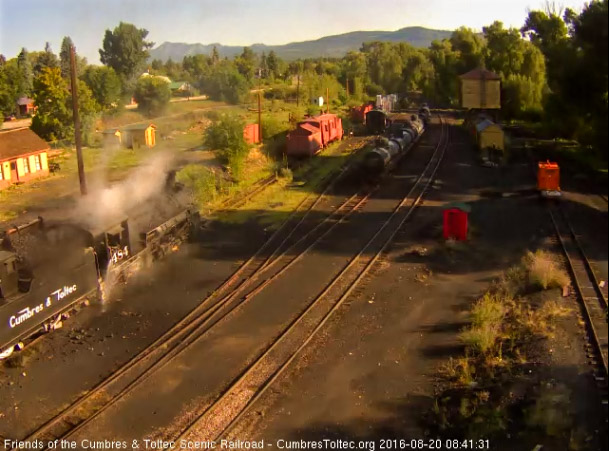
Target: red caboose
{"type": "Point", "coordinates": [305, 141]}
{"type": "Point", "coordinates": [313, 134]}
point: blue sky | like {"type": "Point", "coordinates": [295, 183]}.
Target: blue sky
{"type": "Point", "coordinates": [30, 23]}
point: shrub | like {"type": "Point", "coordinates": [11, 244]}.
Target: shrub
{"type": "Point", "coordinates": [226, 137]}
{"type": "Point", "coordinates": [543, 272]}
{"type": "Point", "coordinates": [272, 126]}
{"type": "Point", "coordinates": [200, 180]}
{"type": "Point", "coordinates": [152, 95]}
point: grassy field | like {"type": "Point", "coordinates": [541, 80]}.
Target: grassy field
{"type": "Point", "coordinates": [276, 202]}
{"type": "Point", "coordinates": [180, 132]}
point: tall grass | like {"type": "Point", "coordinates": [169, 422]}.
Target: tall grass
{"type": "Point", "coordinates": [487, 316]}
{"type": "Point", "coordinates": [543, 272]}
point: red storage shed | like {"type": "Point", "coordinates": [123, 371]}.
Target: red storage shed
{"type": "Point", "coordinates": [455, 221]}
{"type": "Point", "coordinates": [305, 141]}
{"type": "Point", "coordinates": [251, 133]}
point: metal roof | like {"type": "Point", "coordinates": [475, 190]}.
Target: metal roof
{"type": "Point", "coordinates": [483, 125]}
{"type": "Point", "coordinates": [139, 126]}
{"type": "Point", "coordinates": [480, 74]}
{"type": "Point", "coordinates": [24, 101]}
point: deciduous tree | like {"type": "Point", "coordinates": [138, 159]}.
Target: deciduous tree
{"type": "Point", "coordinates": [125, 50]}
{"type": "Point", "coordinates": [152, 95]}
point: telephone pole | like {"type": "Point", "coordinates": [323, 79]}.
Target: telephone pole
{"type": "Point", "coordinates": [77, 140]}
{"type": "Point", "coordinates": [298, 91]}
{"type": "Point", "coordinates": [259, 118]}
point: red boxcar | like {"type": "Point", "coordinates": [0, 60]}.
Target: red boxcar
{"type": "Point", "coordinates": [251, 133]}
{"type": "Point", "coordinates": [313, 134]}
{"type": "Point", "coordinates": [358, 114]}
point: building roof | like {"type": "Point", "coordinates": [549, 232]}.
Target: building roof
{"type": "Point", "coordinates": [143, 126]}
{"type": "Point", "coordinates": [480, 74]}
{"type": "Point", "coordinates": [24, 101]}
{"type": "Point", "coordinates": [162, 77]}
{"type": "Point", "coordinates": [19, 142]}
{"type": "Point", "coordinates": [486, 123]}
{"type": "Point", "coordinates": [178, 84]}
{"type": "Point", "coordinates": [459, 205]}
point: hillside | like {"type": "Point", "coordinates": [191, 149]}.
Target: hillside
{"type": "Point", "coordinates": [329, 46]}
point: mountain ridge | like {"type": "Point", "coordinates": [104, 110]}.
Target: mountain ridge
{"type": "Point", "coordinates": [333, 46]}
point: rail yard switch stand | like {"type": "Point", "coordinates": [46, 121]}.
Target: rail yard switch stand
{"type": "Point", "coordinates": [455, 221]}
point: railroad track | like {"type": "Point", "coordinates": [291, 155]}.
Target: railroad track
{"type": "Point", "coordinates": [592, 299]}
{"type": "Point", "coordinates": [257, 188]}
{"type": "Point", "coordinates": [222, 414]}
{"type": "Point", "coordinates": [277, 249]}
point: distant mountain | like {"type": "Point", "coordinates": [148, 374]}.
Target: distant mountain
{"type": "Point", "coordinates": [328, 46]}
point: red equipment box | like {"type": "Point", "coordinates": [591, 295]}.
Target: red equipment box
{"type": "Point", "coordinates": [455, 222]}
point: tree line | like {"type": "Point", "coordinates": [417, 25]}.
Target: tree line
{"type": "Point", "coordinates": [553, 69]}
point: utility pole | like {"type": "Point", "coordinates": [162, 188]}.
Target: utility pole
{"type": "Point", "coordinates": [81, 164]}
{"type": "Point", "coordinates": [259, 119]}
{"type": "Point", "coordinates": [298, 91]}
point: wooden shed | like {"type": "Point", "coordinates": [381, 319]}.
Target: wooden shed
{"type": "Point", "coordinates": [251, 133]}
{"type": "Point", "coordinates": [489, 135]}
{"type": "Point", "coordinates": [111, 137]}
{"type": "Point", "coordinates": [138, 135]}
{"type": "Point", "coordinates": [23, 156]}
{"type": "Point", "coordinates": [480, 89]}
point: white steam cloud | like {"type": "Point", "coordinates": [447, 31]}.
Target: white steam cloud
{"type": "Point", "coordinates": [105, 205]}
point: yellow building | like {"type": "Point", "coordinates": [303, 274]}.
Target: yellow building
{"type": "Point", "coordinates": [23, 156]}
{"type": "Point", "coordinates": [490, 135]}
{"type": "Point", "coordinates": [138, 135]}
{"type": "Point", "coordinates": [480, 89]}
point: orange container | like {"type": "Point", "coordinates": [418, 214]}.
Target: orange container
{"type": "Point", "coordinates": [548, 176]}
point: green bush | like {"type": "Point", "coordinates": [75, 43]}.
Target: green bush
{"type": "Point", "coordinates": [152, 95]}
{"type": "Point", "coordinates": [200, 181]}
{"type": "Point", "coordinates": [225, 137]}
{"type": "Point", "coordinates": [272, 126]}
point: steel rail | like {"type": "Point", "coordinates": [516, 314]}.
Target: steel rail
{"type": "Point", "coordinates": [439, 152]}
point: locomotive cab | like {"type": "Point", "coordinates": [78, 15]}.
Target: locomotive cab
{"type": "Point", "coordinates": [111, 245]}
{"type": "Point", "coordinates": [9, 279]}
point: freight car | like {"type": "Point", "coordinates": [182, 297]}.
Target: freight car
{"type": "Point", "coordinates": [376, 122]}
{"type": "Point", "coordinates": [47, 268]}
{"type": "Point", "coordinates": [400, 136]}
{"type": "Point", "coordinates": [314, 134]}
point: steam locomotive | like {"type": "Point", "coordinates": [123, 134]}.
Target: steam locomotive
{"type": "Point", "coordinates": [46, 268]}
